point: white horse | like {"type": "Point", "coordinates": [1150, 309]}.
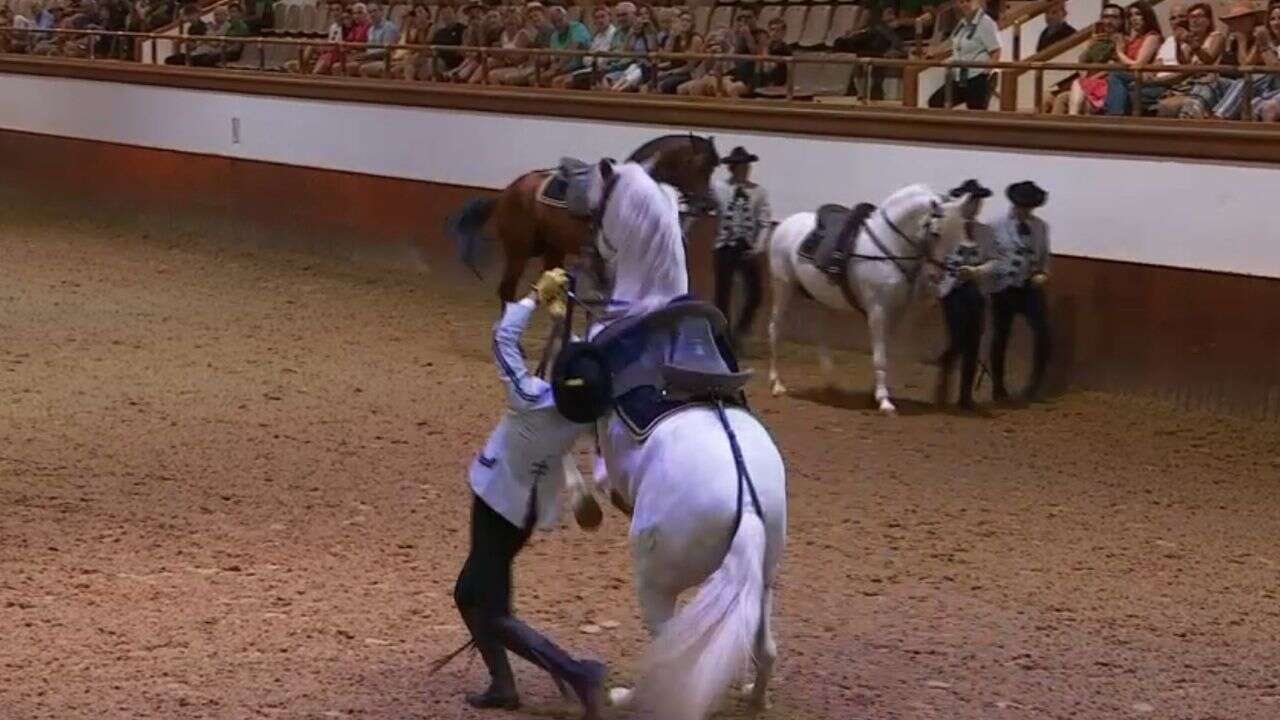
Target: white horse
{"type": "Point", "coordinates": [913, 228]}
{"type": "Point", "coordinates": [682, 486]}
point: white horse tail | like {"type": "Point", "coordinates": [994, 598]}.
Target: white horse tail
{"type": "Point", "coordinates": [703, 649]}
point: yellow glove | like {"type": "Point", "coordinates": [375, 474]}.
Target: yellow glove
{"type": "Point", "coordinates": [551, 289]}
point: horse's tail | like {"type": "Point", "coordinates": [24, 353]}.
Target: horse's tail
{"type": "Point", "coordinates": [466, 228]}
{"type": "Point", "coordinates": [710, 642]}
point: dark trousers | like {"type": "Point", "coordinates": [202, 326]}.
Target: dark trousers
{"type": "Point", "coordinates": [483, 596]}
{"type": "Point", "coordinates": [196, 60]}
{"type": "Point", "coordinates": [729, 261]}
{"type": "Point", "coordinates": [1028, 301]}
{"type": "Point", "coordinates": [973, 92]}
{"type": "Point", "coordinates": [963, 309]}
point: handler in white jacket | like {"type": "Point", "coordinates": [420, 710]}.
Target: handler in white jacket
{"type": "Point", "coordinates": [517, 479]}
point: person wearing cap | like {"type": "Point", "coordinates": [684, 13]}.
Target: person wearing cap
{"type": "Point", "coordinates": [516, 482]}
{"type": "Point", "coordinates": [1017, 285]}
{"type": "Point", "coordinates": [745, 222]}
{"type": "Point", "coordinates": [963, 274]}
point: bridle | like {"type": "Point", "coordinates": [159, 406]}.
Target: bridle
{"type": "Point", "coordinates": [922, 249]}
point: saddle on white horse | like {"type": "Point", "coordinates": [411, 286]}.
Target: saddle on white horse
{"type": "Point", "coordinates": [834, 239]}
{"type": "Point", "coordinates": [663, 361]}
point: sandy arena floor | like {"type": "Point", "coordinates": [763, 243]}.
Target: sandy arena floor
{"type": "Point", "coordinates": [232, 487]}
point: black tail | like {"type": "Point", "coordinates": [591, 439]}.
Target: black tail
{"type": "Point", "coordinates": [466, 227]}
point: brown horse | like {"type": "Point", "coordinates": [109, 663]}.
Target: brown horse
{"type": "Point", "coordinates": [528, 228]}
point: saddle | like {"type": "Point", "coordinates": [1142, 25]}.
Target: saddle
{"type": "Point", "coordinates": [670, 359]}
{"type": "Point", "coordinates": [566, 187]}
{"type": "Point", "coordinates": [831, 243]}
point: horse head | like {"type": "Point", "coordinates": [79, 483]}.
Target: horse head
{"type": "Point", "coordinates": [686, 162]}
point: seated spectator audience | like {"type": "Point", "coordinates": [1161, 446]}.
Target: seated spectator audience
{"type": "Point", "coordinates": [537, 36]}
{"type": "Point", "coordinates": [190, 25]}
{"type": "Point", "coordinates": [1266, 106]}
{"type": "Point", "coordinates": [630, 36]}
{"type": "Point", "coordinates": [448, 32]}
{"type": "Point", "coordinates": [683, 39]}
{"type": "Point", "coordinates": [566, 34]}
{"type": "Point", "coordinates": [1199, 44]}
{"type": "Point", "coordinates": [774, 44]}
{"type": "Point", "coordinates": [516, 35]}
{"type": "Point", "coordinates": [1056, 27]}
{"type": "Point", "coordinates": [602, 32]}
{"type": "Point", "coordinates": [1069, 94]}
{"type": "Point", "coordinates": [405, 63]}
{"type": "Point", "coordinates": [1137, 45]}
{"type": "Point", "coordinates": [483, 29]}
{"type": "Point", "coordinates": [711, 77]}
{"type": "Point", "coordinates": [1249, 37]}
{"type": "Point", "coordinates": [382, 34]}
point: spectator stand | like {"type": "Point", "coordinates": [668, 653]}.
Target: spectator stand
{"type": "Point", "coordinates": [1020, 91]}
{"type": "Point", "coordinates": [155, 50]}
{"type": "Point", "coordinates": [1019, 26]}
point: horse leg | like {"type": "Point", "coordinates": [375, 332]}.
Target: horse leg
{"type": "Point", "coordinates": [657, 607]}
{"type": "Point", "coordinates": [512, 270]}
{"type": "Point", "coordinates": [826, 364]}
{"type": "Point", "coordinates": [878, 326]}
{"type": "Point", "coordinates": [766, 656]}
{"type": "Point", "coordinates": [782, 291]}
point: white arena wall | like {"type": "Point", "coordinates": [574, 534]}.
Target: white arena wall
{"type": "Point", "coordinates": [1185, 214]}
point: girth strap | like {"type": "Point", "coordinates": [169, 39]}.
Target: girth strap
{"type": "Point", "coordinates": [744, 477]}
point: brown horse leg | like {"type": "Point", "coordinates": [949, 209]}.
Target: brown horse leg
{"type": "Point", "coordinates": [511, 274]}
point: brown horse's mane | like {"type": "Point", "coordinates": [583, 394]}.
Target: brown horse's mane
{"type": "Point", "coordinates": [648, 149]}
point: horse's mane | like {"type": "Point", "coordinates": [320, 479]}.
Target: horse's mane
{"type": "Point", "coordinates": [646, 150]}
{"type": "Point", "coordinates": [908, 195]}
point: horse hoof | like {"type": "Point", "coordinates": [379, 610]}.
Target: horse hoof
{"type": "Point", "coordinates": [620, 697]}
{"type": "Point", "coordinates": [778, 389]}
{"type": "Point", "coordinates": [586, 510]}
{"type": "Point", "coordinates": [887, 408]}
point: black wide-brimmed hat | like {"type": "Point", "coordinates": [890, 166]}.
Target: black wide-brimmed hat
{"type": "Point", "coordinates": [1026, 194]}
{"type": "Point", "coordinates": [739, 156]}
{"type": "Point", "coordinates": [972, 188]}
{"type": "Point", "coordinates": [581, 384]}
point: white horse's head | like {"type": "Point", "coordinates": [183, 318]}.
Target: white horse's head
{"type": "Point", "coordinates": [933, 223]}
{"type": "Point", "coordinates": [638, 236]}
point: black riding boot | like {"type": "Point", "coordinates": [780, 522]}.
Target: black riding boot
{"type": "Point", "coordinates": [501, 693]}
{"type": "Point", "coordinates": [584, 677]}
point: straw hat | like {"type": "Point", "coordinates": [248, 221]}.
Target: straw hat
{"type": "Point", "coordinates": [1240, 9]}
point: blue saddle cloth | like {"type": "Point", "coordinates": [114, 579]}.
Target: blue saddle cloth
{"type": "Point", "coordinates": [638, 355]}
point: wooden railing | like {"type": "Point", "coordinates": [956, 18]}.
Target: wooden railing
{"type": "Point", "coordinates": [788, 91]}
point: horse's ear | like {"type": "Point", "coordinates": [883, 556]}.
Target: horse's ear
{"type": "Point", "coordinates": [606, 169]}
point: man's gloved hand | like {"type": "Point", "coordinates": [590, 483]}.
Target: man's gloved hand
{"type": "Point", "coordinates": [552, 291]}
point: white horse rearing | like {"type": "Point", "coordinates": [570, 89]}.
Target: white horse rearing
{"type": "Point", "coordinates": [682, 484]}
{"type": "Point", "coordinates": [913, 228]}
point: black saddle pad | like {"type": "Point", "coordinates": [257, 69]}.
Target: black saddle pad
{"type": "Point", "coordinates": [644, 407]}
{"type": "Point", "coordinates": [835, 232]}
{"type": "Point", "coordinates": [554, 190]}
{"type": "Point", "coordinates": [567, 186]}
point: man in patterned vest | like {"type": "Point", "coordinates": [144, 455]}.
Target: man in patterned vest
{"type": "Point", "coordinates": [745, 224]}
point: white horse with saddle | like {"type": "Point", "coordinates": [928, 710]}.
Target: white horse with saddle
{"type": "Point", "coordinates": [701, 477]}
{"type": "Point", "coordinates": [872, 260]}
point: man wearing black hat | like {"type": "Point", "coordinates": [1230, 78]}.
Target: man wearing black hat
{"type": "Point", "coordinates": [516, 482]}
{"type": "Point", "coordinates": [744, 227]}
{"type": "Point", "coordinates": [963, 306]}
{"type": "Point", "coordinates": [1022, 269]}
